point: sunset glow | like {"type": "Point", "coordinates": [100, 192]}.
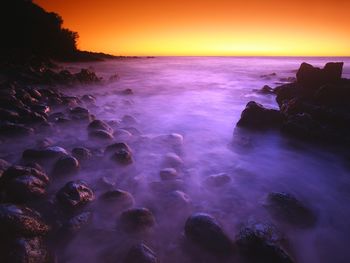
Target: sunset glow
{"type": "Point", "coordinates": [208, 27]}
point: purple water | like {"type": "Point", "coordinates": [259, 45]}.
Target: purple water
{"type": "Point", "coordinates": [202, 99]}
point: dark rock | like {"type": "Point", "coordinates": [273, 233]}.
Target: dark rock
{"type": "Point", "coordinates": [266, 90]}
{"type": "Point", "coordinates": [23, 184]}
{"type": "Point", "coordinates": [120, 153]}
{"type": "Point", "coordinates": [9, 115]}
{"type": "Point", "coordinates": [217, 180]}
{"type": "Point", "coordinates": [256, 116]}
{"type": "Point", "coordinates": [101, 135]}
{"type": "Point", "coordinates": [116, 147]}
{"type": "Point", "coordinates": [290, 210]}
{"type": "Point", "coordinates": [137, 220]}
{"type": "Point", "coordinates": [259, 243]}
{"type": "Point", "coordinates": [75, 194]}
{"type": "Point", "coordinates": [119, 199]}
{"type": "Point", "coordinates": [129, 120]}
{"type": "Point", "coordinates": [287, 92]}
{"type": "Point", "coordinates": [168, 174]}
{"type": "Point", "coordinates": [15, 130]}
{"type": "Point", "coordinates": [79, 113]}
{"type": "Point", "coordinates": [312, 77]}
{"type": "Point", "coordinates": [127, 92]}
{"type": "Point", "coordinates": [99, 125]}
{"type": "Point", "coordinates": [66, 166]}
{"type": "Point", "coordinates": [86, 76]}
{"type": "Point", "coordinates": [21, 221]}
{"type": "Point", "coordinates": [52, 152]}
{"type": "Point", "coordinates": [26, 250]}
{"type": "Point", "coordinates": [90, 99]}
{"type": "Point", "coordinates": [3, 166]}
{"type": "Point", "coordinates": [141, 254]}
{"type": "Point", "coordinates": [303, 126]}
{"type": "Point", "coordinates": [76, 223]}
{"type": "Point", "coordinates": [204, 231]}
{"type": "Point", "coordinates": [81, 153]}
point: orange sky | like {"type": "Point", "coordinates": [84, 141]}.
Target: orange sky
{"type": "Point", "coordinates": [208, 27]}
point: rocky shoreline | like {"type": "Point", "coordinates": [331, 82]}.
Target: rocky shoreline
{"type": "Point", "coordinates": [314, 108]}
{"type": "Point", "coordinates": [43, 207]}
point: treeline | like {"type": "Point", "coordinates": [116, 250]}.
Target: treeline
{"type": "Point", "coordinates": [27, 30]}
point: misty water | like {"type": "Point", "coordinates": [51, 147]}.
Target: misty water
{"type": "Point", "coordinates": [190, 107]}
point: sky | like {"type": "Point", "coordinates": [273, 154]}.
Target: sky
{"type": "Point", "coordinates": [208, 27]}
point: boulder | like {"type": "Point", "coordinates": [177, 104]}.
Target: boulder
{"type": "Point", "coordinates": [290, 210]}
{"type": "Point", "coordinates": [101, 135]}
{"type": "Point", "coordinates": [140, 253]}
{"type": "Point", "coordinates": [18, 220]}
{"type": "Point", "coordinates": [256, 116]}
{"type": "Point", "coordinates": [80, 114]}
{"type": "Point", "coordinates": [15, 130]}
{"type": "Point", "coordinates": [73, 226]}
{"type": "Point", "coordinates": [99, 125]}
{"type": "Point", "coordinates": [120, 153]}
{"type": "Point", "coordinates": [51, 153]}
{"type": "Point", "coordinates": [74, 195]}
{"type": "Point", "coordinates": [117, 199]}
{"type": "Point", "coordinates": [204, 231]}
{"type": "Point", "coordinates": [260, 243]}
{"type": "Point", "coordinates": [81, 153]}
{"type": "Point", "coordinates": [66, 165]}
{"type": "Point", "coordinates": [168, 174]}
{"type": "Point", "coordinates": [137, 220]}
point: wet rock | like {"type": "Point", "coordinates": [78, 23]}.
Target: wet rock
{"type": "Point", "coordinates": [129, 120]}
{"type": "Point", "coordinates": [89, 99]}
{"type": "Point", "coordinates": [75, 224]}
{"type": "Point", "coordinates": [101, 135]}
{"type": "Point", "coordinates": [266, 90]}
{"type": "Point", "coordinates": [23, 184]}
{"type": "Point", "coordinates": [256, 116]}
{"type": "Point", "coordinates": [312, 77]}
{"type": "Point", "coordinates": [172, 160]}
{"type": "Point", "coordinates": [99, 125]}
{"type": "Point", "coordinates": [67, 165]}
{"type": "Point", "coordinates": [140, 253]}
{"type": "Point", "coordinates": [303, 126]}
{"type": "Point", "coordinates": [287, 208]}
{"type": "Point", "coordinates": [79, 113]}
{"type": "Point", "coordinates": [86, 76]}
{"type": "Point", "coordinates": [260, 243]}
{"type": "Point", "coordinates": [204, 231]}
{"type": "Point", "coordinates": [217, 180]}
{"type": "Point", "coordinates": [118, 199]}
{"type": "Point", "coordinates": [18, 220]}
{"type": "Point", "coordinates": [26, 250]}
{"type": "Point", "coordinates": [287, 92]}
{"type": "Point", "coordinates": [168, 174]}
{"type": "Point", "coordinates": [137, 220]}
{"type": "Point", "coordinates": [15, 130]}
{"type": "Point", "coordinates": [121, 154]}
{"type": "Point", "coordinates": [40, 108]}
{"type": "Point", "coordinates": [81, 153]}
{"type": "Point", "coordinates": [52, 152]}
{"type": "Point", "coordinates": [74, 195]}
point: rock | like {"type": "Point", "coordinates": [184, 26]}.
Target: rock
{"type": "Point", "coordinates": [167, 186]}
{"type": "Point", "coordinates": [86, 76]}
{"type": "Point", "coordinates": [75, 224]}
{"type": "Point", "coordinates": [52, 153]}
{"type": "Point", "coordinates": [67, 165]}
{"type": "Point", "coordinates": [118, 199]}
{"type": "Point", "coordinates": [15, 130]}
{"type": "Point", "coordinates": [23, 184]}
{"type": "Point", "coordinates": [89, 99]}
{"type": "Point", "coordinates": [256, 116]}
{"type": "Point", "coordinates": [173, 139]}
{"type": "Point", "coordinates": [217, 180]}
{"type": "Point", "coordinates": [312, 77]}
{"type": "Point", "coordinates": [79, 113]}
{"type": "Point", "coordinates": [204, 231]}
{"type": "Point", "coordinates": [287, 208]}
{"type": "Point", "coordinates": [177, 202]}
{"type": "Point", "coordinates": [129, 120]}
{"type": "Point", "coordinates": [99, 125]}
{"type": "Point", "coordinates": [101, 135]}
{"type": "Point", "coordinates": [120, 153]}
{"type": "Point", "coordinates": [137, 220]}
{"type": "Point", "coordinates": [9, 115]}
{"type": "Point", "coordinates": [266, 90]}
{"type": "Point", "coordinates": [172, 160]}
{"type": "Point", "coordinates": [81, 153]}
{"type": "Point", "coordinates": [303, 126]}
{"type": "Point", "coordinates": [127, 92]}
{"type": "Point", "coordinates": [287, 92]}
{"type": "Point", "coordinates": [140, 253]}
{"type": "Point", "coordinates": [74, 195]}
{"type": "Point", "coordinates": [18, 220]}
{"type": "Point", "coordinates": [259, 243]}
{"type": "Point", "coordinates": [3, 166]}
{"type": "Point", "coordinates": [26, 250]}
{"type": "Point", "coordinates": [168, 174]}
